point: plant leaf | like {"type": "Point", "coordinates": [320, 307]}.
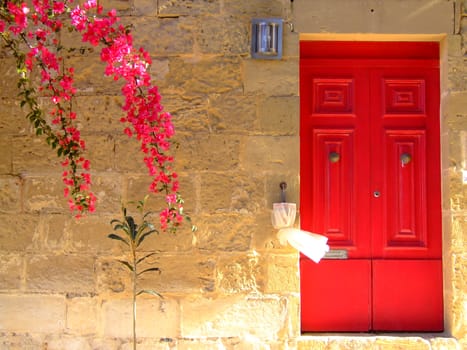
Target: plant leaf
{"type": "Point", "coordinates": [118, 238]}
{"type": "Point", "coordinates": [143, 236]}
{"type": "Point", "coordinates": [132, 226]}
{"type": "Point", "coordinates": [149, 270]}
{"type": "Point", "coordinates": [145, 257]}
{"type": "Point", "coordinates": [149, 291]}
{"type": "Point", "coordinates": [121, 226]}
{"type": "Point", "coordinates": [126, 263]}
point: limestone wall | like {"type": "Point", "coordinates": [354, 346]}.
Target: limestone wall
{"type": "Point", "coordinates": [230, 285]}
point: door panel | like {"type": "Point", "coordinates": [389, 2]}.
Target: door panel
{"type": "Point", "coordinates": [333, 153]}
{"type": "Point", "coordinates": [333, 128]}
{"type": "Point", "coordinates": [404, 193]}
{"type": "Point", "coordinates": [407, 295]}
{"type": "Point", "coordinates": [405, 162]}
{"type": "Point", "coordinates": [338, 295]}
{"type": "Point", "coordinates": [370, 182]}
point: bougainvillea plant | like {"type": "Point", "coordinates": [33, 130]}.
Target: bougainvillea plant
{"type": "Point", "coordinates": [32, 32]}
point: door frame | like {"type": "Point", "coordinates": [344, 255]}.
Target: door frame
{"type": "Point", "coordinates": [443, 54]}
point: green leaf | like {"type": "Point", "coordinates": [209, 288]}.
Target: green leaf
{"type": "Point", "coordinates": [149, 291]}
{"type": "Point", "coordinates": [149, 270]}
{"type": "Point", "coordinates": [145, 257]}
{"type": "Point", "coordinates": [118, 238]}
{"type": "Point", "coordinates": [132, 226]}
{"type": "Point", "coordinates": [126, 263]}
{"type": "Point", "coordinates": [143, 236]}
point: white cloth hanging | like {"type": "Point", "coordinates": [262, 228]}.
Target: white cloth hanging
{"type": "Point", "coordinates": [310, 244]}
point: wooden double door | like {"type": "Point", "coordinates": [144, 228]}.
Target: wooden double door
{"type": "Point", "coordinates": [370, 182]}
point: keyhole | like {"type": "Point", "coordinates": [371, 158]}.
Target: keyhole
{"type": "Point", "coordinates": [376, 194]}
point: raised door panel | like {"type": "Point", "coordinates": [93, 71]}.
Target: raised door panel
{"type": "Point", "coordinates": [405, 163]}
{"type": "Point", "coordinates": [337, 295]}
{"type": "Point", "coordinates": [407, 295]}
{"type": "Point", "coordinates": [334, 128]}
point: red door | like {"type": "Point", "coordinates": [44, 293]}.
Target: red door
{"type": "Point", "coordinates": [370, 182]}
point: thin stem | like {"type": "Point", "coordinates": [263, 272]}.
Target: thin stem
{"type": "Point", "coordinates": [135, 273]}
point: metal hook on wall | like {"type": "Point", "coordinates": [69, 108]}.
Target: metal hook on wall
{"type": "Point", "coordinates": [283, 187]}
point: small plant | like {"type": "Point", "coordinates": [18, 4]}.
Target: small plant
{"type": "Point", "coordinates": [132, 235]}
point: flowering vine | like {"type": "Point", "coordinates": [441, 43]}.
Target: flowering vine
{"type": "Point", "coordinates": [33, 36]}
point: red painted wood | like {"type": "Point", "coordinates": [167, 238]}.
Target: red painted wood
{"type": "Point", "coordinates": [407, 295]}
{"type": "Point", "coordinates": [371, 108]}
{"type": "Point", "coordinates": [333, 120]}
{"type": "Point", "coordinates": [406, 122]}
{"type": "Point", "coordinates": [338, 295]}
{"type": "Point", "coordinates": [368, 49]}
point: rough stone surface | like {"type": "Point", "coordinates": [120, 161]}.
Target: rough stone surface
{"type": "Point", "coordinates": [231, 284]}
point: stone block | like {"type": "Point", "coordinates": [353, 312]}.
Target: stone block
{"type": "Point", "coordinates": [62, 273]}
{"type": "Point", "coordinates": [224, 232]}
{"type": "Point", "coordinates": [444, 344]}
{"type": "Point", "coordinates": [174, 35]}
{"type": "Point", "coordinates": [233, 113]}
{"type": "Point", "coordinates": [32, 154]}
{"type": "Point", "coordinates": [234, 316]}
{"type": "Point", "coordinates": [207, 152]}
{"type": "Point", "coordinates": [458, 230]}
{"type": "Point", "coordinates": [53, 232]}
{"type": "Point", "coordinates": [13, 118]}
{"type": "Point", "coordinates": [100, 150]}
{"type": "Point", "coordinates": [216, 192]}
{"type": "Point", "coordinates": [273, 189]}
{"type": "Point", "coordinates": [44, 193]}
{"type": "Point", "coordinates": [69, 342]}
{"type": "Point", "coordinates": [10, 193]}
{"type": "Point", "coordinates": [90, 78]}
{"type": "Point", "coordinates": [109, 190]}
{"type": "Point", "coordinates": [20, 341]}
{"type": "Point", "coordinates": [280, 115]}
{"type": "Point", "coordinates": [402, 343]}
{"type": "Point", "coordinates": [82, 316]}
{"type": "Point", "coordinates": [290, 44]}
{"type": "Point", "coordinates": [89, 235]}
{"type": "Point", "coordinates": [203, 75]}
{"type": "Point", "coordinates": [99, 114]}
{"type": "Point", "coordinates": [259, 8]}
{"type": "Point", "coordinates": [189, 112]}
{"type": "Point", "coordinates": [19, 233]}
{"type": "Point", "coordinates": [283, 274]}
{"type": "Point", "coordinates": [188, 8]}
{"type": "Point", "coordinates": [271, 78]}
{"type": "Point", "coordinates": [11, 272]}
{"type": "Point", "coordinates": [270, 154]}
{"type": "Point", "coordinates": [457, 74]}
{"type": "Point", "coordinates": [122, 6]}
{"type": "Point", "coordinates": [32, 313]}
{"type": "Point", "coordinates": [373, 17]}
{"type": "Point", "coordinates": [138, 188]}
{"type": "Point", "coordinates": [265, 236]}
{"type": "Point", "coordinates": [223, 35]}
{"type": "Point", "coordinates": [457, 190]}
{"type": "Point", "coordinates": [155, 317]}
{"type": "Point", "coordinates": [190, 273]}
{"type": "Point", "coordinates": [6, 157]}
{"type": "Point", "coordinates": [128, 155]}
{"type": "Point", "coordinates": [9, 77]}
{"type": "Point", "coordinates": [111, 276]}
{"type": "Point", "coordinates": [242, 273]}
{"type": "Point", "coordinates": [315, 343]}
{"type": "Point", "coordinates": [455, 45]}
